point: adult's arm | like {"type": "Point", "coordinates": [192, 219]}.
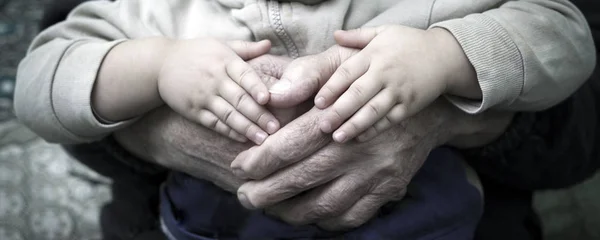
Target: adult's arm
{"type": "Point", "coordinates": [555, 148]}
{"type": "Point", "coordinates": [551, 149]}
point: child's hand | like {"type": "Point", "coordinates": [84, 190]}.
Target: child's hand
{"type": "Point", "coordinates": [209, 82]}
{"type": "Point", "coordinates": [396, 75]}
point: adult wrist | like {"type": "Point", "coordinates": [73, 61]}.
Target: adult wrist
{"type": "Point", "coordinates": [459, 129]}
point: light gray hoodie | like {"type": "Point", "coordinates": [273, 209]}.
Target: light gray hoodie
{"type": "Point", "coordinates": [528, 54]}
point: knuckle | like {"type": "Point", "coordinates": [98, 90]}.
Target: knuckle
{"type": "Point", "coordinates": [352, 127]}
{"type": "Point", "coordinates": [357, 91]}
{"type": "Point", "coordinates": [382, 124]}
{"type": "Point", "coordinates": [336, 115]}
{"type": "Point", "coordinates": [261, 115]}
{"type": "Point", "coordinates": [395, 116]}
{"type": "Point", "coordinates": [212, 123]}
{"type": "Point", "coordinates": [240, 99]}
{"type": "Point", "coordinates": [350, 221]}
{"type": "Point", "coordinates": [245, 74]}
{"type": "Point", "coordinates": [227, 115]}
{"type": "Point", "coordinates": [329, 89]}
{"type": "Point", "coordinates": [301, 183]}
{"type": "Point", "coordinates": [293, 150]}
{"type": "Point", "coordinates": [321, 208]}
{"type": "Point", "coordinates": [388, 167]}
{"type": "Point", "coordinates": [408, 97]}
{"type": "Point", "coordinates": [232, 133]}
{"type": "Point", "coordinates": [304, 180]}
{"type": "Point", "coordinates": [255, 199]}
{"type": "Point", "coordinates": [196, 103]}
{"type": "Point", "coordinates": [375, 110]}
{"type": "Point", "coordinates": [344, 71]}
{"type": "Point", "coordinates": [399, 195]}
{"type": "Point", "coordinates": [262, 198]}
{"type": "Point", "coordinates": [294, 220]}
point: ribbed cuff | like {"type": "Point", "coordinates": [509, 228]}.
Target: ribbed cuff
{"type": "Point", "coordinates": [72, 90]}
{"type": "Point", "coordinates": [495, 57]}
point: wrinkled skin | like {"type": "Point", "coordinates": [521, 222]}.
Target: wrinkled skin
{"type": "Point", "coordinates": [342, 186]}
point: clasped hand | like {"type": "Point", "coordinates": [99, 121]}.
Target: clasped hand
{"type": "Point", "coordinates": [388, 70]}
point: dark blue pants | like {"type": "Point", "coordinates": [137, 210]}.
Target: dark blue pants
{"type": "Point", "coordinates": [440, 204]}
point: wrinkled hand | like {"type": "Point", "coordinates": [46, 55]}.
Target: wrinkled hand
{"type": "Point", "coordinates": [342, 185]}
{"type": "Point", "coordinates": [301, 176]}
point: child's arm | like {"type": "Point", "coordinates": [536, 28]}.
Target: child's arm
{"type": "Point", "coordinates": [205, 80]}
{"type": "Point", "coordinates": [127, 83]}
{"type": "Point", "coordinates": [526, 55]}
{"type": "Point", "coordinates": [398, 72]}
{"type": "Point", "coordinates": [55, 81]}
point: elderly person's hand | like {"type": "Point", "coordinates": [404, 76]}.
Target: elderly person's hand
{"type": "Point", "coordinates": [343, 186]}
{"type": "Point", "coordinates": [167, 139]}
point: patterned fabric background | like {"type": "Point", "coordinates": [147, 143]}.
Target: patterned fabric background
{"type": "Point", "coordinates": [46, 195]}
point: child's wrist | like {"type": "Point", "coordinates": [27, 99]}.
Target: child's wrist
{"type": "Point", "coordinates": [163, 47]}
{"type": "Point", "coordinates": [457, 71]}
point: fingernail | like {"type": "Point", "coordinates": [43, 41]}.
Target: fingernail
{"type": "Point", "coordinates": [325, 127]}
{"type": "Point", "coordinates": [244, 201]}
{"type": "Point", "coordinates": [339, 136]}
{"type": "Point", "coordinates": [320, 102]}
{"type": "Point", "coordinates": [281, 87]}
{"type": "Point", "coordinates": [262, 98]}
{"type": "Point", "coordinates": [272, 127]}
{"type": "Point", "coordinates": [260, 137]}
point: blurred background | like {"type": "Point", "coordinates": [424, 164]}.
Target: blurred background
{"type": "Point", "coordinates": [45, 194]}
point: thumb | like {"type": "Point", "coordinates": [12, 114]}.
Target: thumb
{"type": "Point", "coordinates": [249, 50]}
{"type": "Point", "coordinates": [306, 75]}
{"type": "Point", "coordinates": [356, 38]}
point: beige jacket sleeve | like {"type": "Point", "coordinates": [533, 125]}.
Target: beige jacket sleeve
{"type": "Point", "coordinates": [56, 78]}
{"type": "Point", "coordinates": [529, 55]}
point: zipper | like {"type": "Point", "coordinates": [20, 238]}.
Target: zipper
{"type": "Point", "coordinates": [277, 26]}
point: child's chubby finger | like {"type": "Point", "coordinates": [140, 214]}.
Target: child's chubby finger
{"type": "Point", "coordinates": [238, 122]}
{"type": "Point", "coordinates": [243, 102]}
{"type": "Point", "coordinates": [342, 78]}
{"type": "Point", "coordinates": [211, 121]}
{"type": "Point", "coordinates": [249, 50]}
{"type": "Point", "coordinates": [393, 117]}
{"type": "Point", "coordinates": [359, 93]}
{"type": "Point", "coordinates": [377, 108]}
{"type": "Point", "coordinates": [246, 77]}
{"type": "Point", "coordinates": [356, 38]}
